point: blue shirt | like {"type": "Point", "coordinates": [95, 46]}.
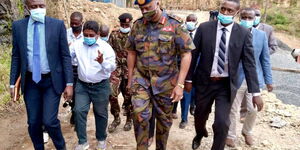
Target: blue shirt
{"type": "Point", "coordinates": [43, 54]}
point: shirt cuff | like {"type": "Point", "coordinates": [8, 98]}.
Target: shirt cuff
{"type": "Point", "coordinates": [69, 84]}
{"type": "Point", "coordinates": [256, 94]}
{"type": "Point", "coordinates": [12, 86]}
{"type": "Point", "coordinates": [189, 81]}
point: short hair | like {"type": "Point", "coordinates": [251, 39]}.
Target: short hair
{"type": "Point", "coordinates": [91, 25]}
{"type": "Point", "coordinates": [192, 15]}
{"type": "Point", "coordinates": [235, 1]}
{"type": "Point", "coordinates": [104, 28]}
{"type": "Point", "coordinates": [76, 14]}
{"type": "Point", "coordinates": [248, 9]}
{"type": "Point", "coordinates": [27, 1]}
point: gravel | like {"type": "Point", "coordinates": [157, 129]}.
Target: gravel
{"type": "Point", "coordinates": [287, 84]}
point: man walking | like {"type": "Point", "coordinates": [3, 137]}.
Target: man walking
{"type": "Point", "coordinates": [263, 69]}
{"type": "Point", "coordinates": [96, 61]}
{"type": "Point", "coordinates": [221, 45]}
{"type": "Point", "coordinates": [153, 45]}
{"type": "Point", "coordinates": [119, 77]}
{"type": "Point", "coordinates": [74, 34]}
{"type": "Point", "coordinates": [40, 54]}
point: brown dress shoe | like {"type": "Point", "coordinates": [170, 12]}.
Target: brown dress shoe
{"type": "Point", "coordinates": [248, 139]}
{"type": "Point", "coordinates": [230, 142]}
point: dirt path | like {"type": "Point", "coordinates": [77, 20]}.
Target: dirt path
{"type": "Point", "coordinates": [13, 129]}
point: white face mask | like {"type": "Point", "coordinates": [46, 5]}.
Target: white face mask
{"type": "Point", "coordinates": [38, 14]}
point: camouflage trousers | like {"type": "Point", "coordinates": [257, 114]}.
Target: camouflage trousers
{"type": "Point", "coordinates": [118, 85]}
{"type": "Point", "coordinates": [144, 102]}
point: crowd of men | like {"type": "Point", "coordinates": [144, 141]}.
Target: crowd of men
{"type": "Point", "coordinates": [155, 62]}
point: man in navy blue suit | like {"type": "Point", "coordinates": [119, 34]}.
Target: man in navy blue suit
{"type": "Point", "coordinates": [41, 56]}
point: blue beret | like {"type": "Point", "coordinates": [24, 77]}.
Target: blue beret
{"type": "Point", "coordinates": [142, 2]}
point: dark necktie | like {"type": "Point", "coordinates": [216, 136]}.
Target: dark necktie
{"type": "Point", "coordinates": [36, 63]}
{"type": "Point", "coordinates": [191, 35]}
{"type": "Point", "coordinates": [222, 52]}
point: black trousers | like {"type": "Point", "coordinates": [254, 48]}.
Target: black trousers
{"type": "Point", "coordinates": [206, 95]}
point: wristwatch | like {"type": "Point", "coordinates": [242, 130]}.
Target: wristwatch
{"type": "Point", "coordinates": [180, 85]}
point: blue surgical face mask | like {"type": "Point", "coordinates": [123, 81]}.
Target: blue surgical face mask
{"type": "Point", "coordinates": [257, 20]}
{"type": "Point", "coordinates": [104, 38]}
{"type": "Point", "coordinates": [125, 30]}
{"type": "Point", "coordinates": [38, 14]}
{"type": "Point", "coordinates": [246, 23]}
{"type": "Point", "coordinates": [191, 25]}
{"type": "Point", "coordinates": [225, 19]}
{"type": "Point", "coordinates": [89, 40]}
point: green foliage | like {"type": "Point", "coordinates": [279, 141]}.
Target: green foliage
{"type": "Point", "coordinates": [285, 19]}
{"type": "Point", "coordinates": [5, 57]}
{"type": "Point", "coordinates": [20, 6]}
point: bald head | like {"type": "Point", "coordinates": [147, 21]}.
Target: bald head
{"type": "Point", "coordinates": [104, 30]}
{"type": "Point", "coordinates": [191, 17]}
{"type": "Point", "coordinates": [34, 4]}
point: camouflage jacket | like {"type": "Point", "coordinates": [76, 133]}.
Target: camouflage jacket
{"type": "Point", "coordinates": [157, 46]}
{"type": "Point", "coordinates": [117, 41]}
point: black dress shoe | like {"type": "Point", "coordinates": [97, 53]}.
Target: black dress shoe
{"type": "Point", "coordinates": [196, 142]}
{"type": "Point", "coordinates": [192, 111]}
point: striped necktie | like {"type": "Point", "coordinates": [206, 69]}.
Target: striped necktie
{"type": "Point", "coordinates": [222, 52]}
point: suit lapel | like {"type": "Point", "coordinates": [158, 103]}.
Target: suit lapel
{"type": "Point", "coordinates": [24, 36]}
{"type": "Point", "coordinates": [214, 37]}
{"type": "Point", "coordinates": [47, 33]}
{"type": "Point", "coordinates": [233, 39]}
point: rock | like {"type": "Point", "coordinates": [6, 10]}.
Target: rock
{"type": "Point", "coordinates": [97, 10]}
{"type": "Point", "coordinates": [277, 122]}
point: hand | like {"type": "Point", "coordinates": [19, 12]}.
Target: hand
{"type": "Point", "coordinates": [270, 87]}
{"type": "Point", "coordinates": [258, 102]}
{"type": "Point", "coordinates": [12, 94]}
{"type": "Point", "coordinates": [68, 93]}
{"type": "Point", "coordinates": [188, 86]}
{"type": "Point", "coordinates": [177, 94]}
{"type": "Point", "coordinates": [128, 86]}
{"type": "Point", "coordinates": [99, 59]}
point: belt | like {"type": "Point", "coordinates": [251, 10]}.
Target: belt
{"type": "Point", "coordinates": [42, 75]}
{"type": "Point", "coordinates": [91, 84]}
{"type": "Point", "coordinates": [215, 79]}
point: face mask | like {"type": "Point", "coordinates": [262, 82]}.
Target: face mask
{"type": "Point", "coordinates": [38, 14]}
{"type": "Point", "coordinates": [89, 40]}
{"type": "Point", "coordinates": [104, 38]}
{"type": "Point", "coordinates": [246, 23]}
{"type": "Point", "coordinates": [125, 30]}
{"type": "Point", "coordinates": [191, 25]}
{"type": "Point", "coordinates": [149, 15]}
{"type": "Point", "coordinates": [225, 19]}
{"type": "Point", "coordinates": [77, 29]}
{"type": "Point", "coordinates": [257, 20]}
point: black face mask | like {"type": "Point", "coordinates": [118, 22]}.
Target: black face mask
{"type": "Point", "coordinates": [77, 29]}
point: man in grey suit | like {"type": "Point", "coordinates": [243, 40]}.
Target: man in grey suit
{"type": "Point", "coordinates": [263, 70]}
{"type": "Point", "coordinates": [221, 45]}
{"type": "Point", "coordinates": [272, 42]}
{"type": "Point", "coordinates": [40, 54]}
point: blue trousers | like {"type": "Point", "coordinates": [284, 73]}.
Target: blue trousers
{"type": "Point", "coordinates": [85, 94]}
{"type": "Point", "coordinates": [42, 104]}
{"type": "Point", "coordinates": [185, 103]}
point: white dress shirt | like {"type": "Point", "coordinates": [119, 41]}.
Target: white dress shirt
{"type": "Point", "coordinates": [71, 39]}
{"type": "Point", "coordinates": [89, 70]}
{"type": "Point", "coordinates": [214, 70]}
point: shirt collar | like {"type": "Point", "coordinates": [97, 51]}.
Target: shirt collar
{"type": "Point", "coordinates": [228, 28]}
{"type": "Point", "coordinates": [79, 36]}
{"type": "Point", "coordinates": [31, 21]}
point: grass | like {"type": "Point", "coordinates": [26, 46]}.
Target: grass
{"type": "Point", "coordinates": [285, 19]}
{"type": "Point", "coordinates": [5, 57]}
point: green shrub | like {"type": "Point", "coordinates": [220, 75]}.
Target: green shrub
{"type": "Point", "coordinates": [5, 57]}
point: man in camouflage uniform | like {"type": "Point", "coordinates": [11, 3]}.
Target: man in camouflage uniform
{"type": "Point", "coordinates": [153, 45]}
{"type": "Point", "coordinates": [119, 77]}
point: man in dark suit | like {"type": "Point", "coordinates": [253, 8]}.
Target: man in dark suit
{"type": "Point", "coordinates": [222, 45]}
{"type": "Point", "coordinates": [40, 54]}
